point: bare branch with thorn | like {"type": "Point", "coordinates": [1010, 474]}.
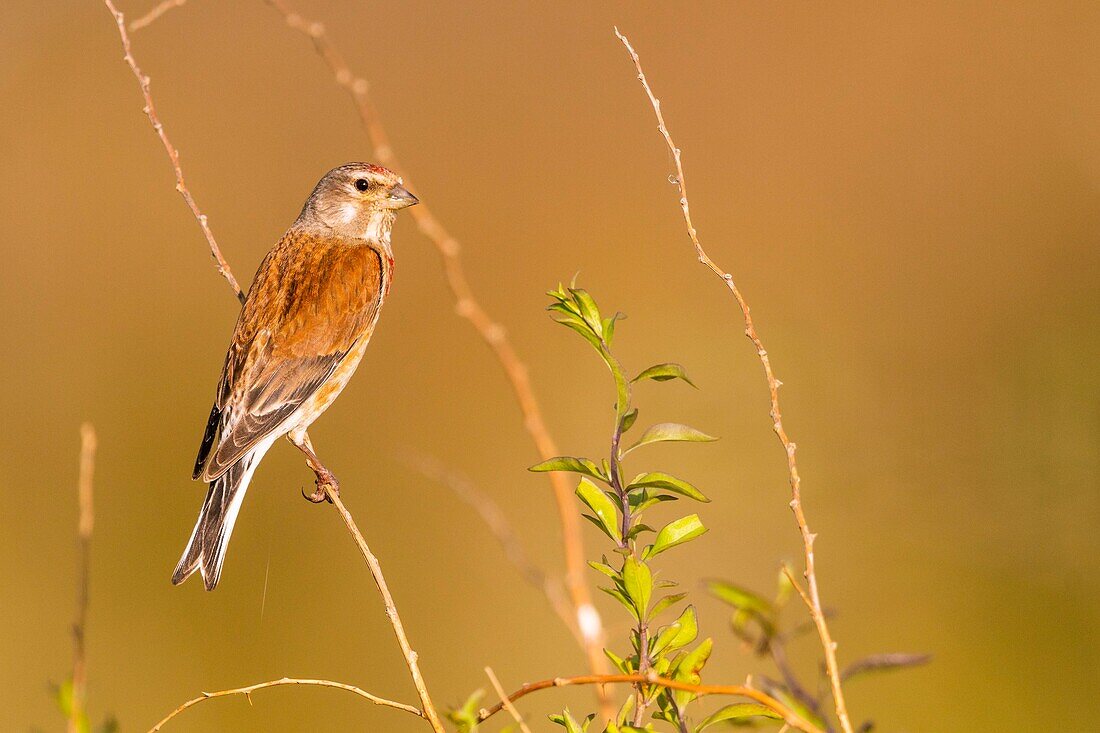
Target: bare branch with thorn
{"type": "Point", "coordinates": [813, 599]}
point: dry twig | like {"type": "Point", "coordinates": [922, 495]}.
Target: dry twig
{"type": "Point", "coordinates": [391, 610]}
{"type": "Point", "coordinates": [494, 518]}
{"type": "Point", "coordinates": [77, 709]}
{"type": "Point", "coordinates": [505, 701]}
{"type": "Point", "coordinates": [808, 537]}
{"type": "Point", "coordinates": [155, 12]}
{"type": "Point", "coordinates": [247, 692]}
{"type": "Point", "coordinates": [376, 570]}
{"type": "Point", "coordinates": [493, 333]}
{"type": "Point", "coordinates": [789, 716]}
{"type": "Point", "coordinates": [173, 154]}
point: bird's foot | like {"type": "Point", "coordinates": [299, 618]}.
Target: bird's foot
{"type": "Point", "coordinates": [325, 483]}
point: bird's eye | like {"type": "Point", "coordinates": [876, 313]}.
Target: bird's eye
{"type": "Point", "coordinates": [362, 184]}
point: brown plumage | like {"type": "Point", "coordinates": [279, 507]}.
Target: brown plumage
{"type": "Point", "coordinates": [310, 312]}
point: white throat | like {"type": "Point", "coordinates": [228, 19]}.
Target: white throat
{"type": "Point", "coordinates": [377, 229]}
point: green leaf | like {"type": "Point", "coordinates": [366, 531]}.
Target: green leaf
{"type": "Point", "coordinates": [663, 373]}
{"type": "Point", "coordinates": [569, 463]}
{"type": "Point", "coordinates": [623, 713]}
{"type": "Point", "coordinates": [664, 481]}
{"type": "Point", "coordinates": [675, 533]}
{"type": "Point", "coordinates": [642, 500]}
{"type": "Point", "coordinates": [693, 662]}
{"type": "Point", "coordinates": [740, 711]}
{"type": "Point", "coordinates": [605, 509]}
{"type": "Point", "coordinates": [688, 669]}
{"type": "Point", "coordinates": [739, 597]}
{"type": "Point", "coordinates": [63, 696]}
{"type": "Point", "coordinates": [628, 420]}
{"type": "Point", "coordinates": [784, 587]}
{"type": "Point", "coordinates": [609, 326]}
{"type": "Point", "coordinates": [622, 387]}
{"type": "Point", "coordinates": [588, 310]}
{"type": "Point", "coordinates": [619, 596]}
{"type": "Point", "coordinates": [679, 633]}
{"type": "Point", "coordinates": [567, 721]}
{"type": "Point", "coordinates": [670, 431]}
{"type": "Point", "coordinates": [465, 717]}
{"type": "Point", "coordinates": [566, 307]}
{"type": "Point", "coordinates": [580, 326]}
{"type": "Point", "coordinates": [638, 584]}
{"type": "Point", "coordinates": [558, 294]}
{"type": "Point", "coordinates": [604, 568]}
{"type": "Point", "coordinates": [666, 602]}
{"type": "Point", "coordinates": [623, 665]}
{"type": "Point", "coordinates": [65, 699]}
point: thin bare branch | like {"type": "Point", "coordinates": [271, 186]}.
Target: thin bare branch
{"type": "Point", "coordinates": [505, 701]}
{"type": "Point", "coordinates": [173, 154]}
{"type": "Point", "coordinates": [493, 333]}
{"type": "Point", "coordinates": [247, 692]}
{"type": "Point", "coordinates": [411, 656]}
{"type": "Point", "coordinates": [828, 645]}
{"type": "Point", "coordinates": [155, 12]}
{"type": "Point", "coordinates": [493, 517]}
{"type": "Point", "coordinates": [78, 708]}
{"type": "Point", "coordinates": [880, 662]}
{"type": "Point", "coordinates": [777, 648]}
{"type": "Point", "coordinates": [791, 717]}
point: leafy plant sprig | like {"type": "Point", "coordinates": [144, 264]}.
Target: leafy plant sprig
{"type": "Point", "coordinates": [617, 505]}
{"type": "Point", "coordinates": [758, 622]}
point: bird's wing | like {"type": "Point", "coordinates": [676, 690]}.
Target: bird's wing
{"type": "Point", "coordinates": [312, 300]}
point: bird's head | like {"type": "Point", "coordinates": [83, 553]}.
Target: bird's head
{"type": "Point", "coordinates": [357, 200]}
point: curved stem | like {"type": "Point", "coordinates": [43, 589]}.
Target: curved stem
{"type": "Point", "coordinates": [247, 692]}
{"type": "Point", "coordinates": [788, 715]}
{"type": "Point", "coordinates": [828, 645]}
{"type": "Point", "coordinates": [411, 656]}
{"type": "Point", "coordinates": [173, 154]}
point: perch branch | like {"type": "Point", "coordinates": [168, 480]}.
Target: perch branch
{"type": "Point", "coordinates": [829, 646]}
{"type": "Point", "coordinates": [391, 610]}
{"type": "Point", "coordinates": [505, 701]}
{"type": "Point", "coordinates": [493, 333]}
{"type": "Point", "coordinates": [247, 692]}
{"type": "Point", "coordinates": [77, 711]}
{"type": "Point", "coordinates": [173, 153]}
{"type": "Point", "coordinates": [789, 716]}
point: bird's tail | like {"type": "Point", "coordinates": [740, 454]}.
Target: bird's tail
{"type": "Point", "coordinates": [206, 549]}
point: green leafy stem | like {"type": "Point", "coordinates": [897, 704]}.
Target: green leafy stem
{"type": "Point", "coordinates": [616, 506]}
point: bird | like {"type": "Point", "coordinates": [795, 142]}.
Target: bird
{"type": "Point", "coordinates": [305, 323]}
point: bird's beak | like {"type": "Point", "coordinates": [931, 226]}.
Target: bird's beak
{"type": "Point", "coordinates": [400, 197]}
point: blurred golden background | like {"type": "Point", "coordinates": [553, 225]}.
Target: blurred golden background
{"type": "Point", "coordinates": [906, 194]}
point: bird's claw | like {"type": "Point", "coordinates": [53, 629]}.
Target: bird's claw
{"type": "Point", "coordinates": [321, 493]}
